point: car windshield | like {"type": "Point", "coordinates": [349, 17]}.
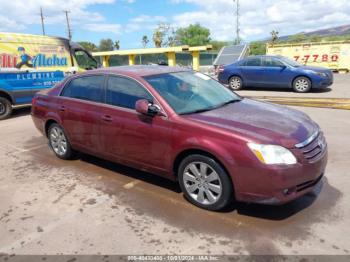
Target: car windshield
{"type": "Point", "coordinates": [290, 61]}
{"type": "Point", "coordinates": [191, 92]}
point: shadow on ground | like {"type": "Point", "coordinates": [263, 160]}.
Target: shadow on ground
{"type": "Point", "coordinates": [18, 112]}
{"type": "Point", "coordinates": [286, 90]}
{"type": "Point", "coordinates": [253, 210]}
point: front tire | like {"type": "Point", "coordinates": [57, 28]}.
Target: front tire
{"type": "Point", "coordinates": [59, 142]}
{"type": "Point", "coordinates": [205, 183]}
{"type": "Point", "coordinates": [5, 108]}
{"type": "Point", "coordinates": [235, 83]}
{"type": "Point", "coordinates": [302, 84]}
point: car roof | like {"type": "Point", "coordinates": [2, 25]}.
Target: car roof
{"type": "Point", "coordinates": [274, 56]}
{"type": "Point", "coordinates": [139, 70]}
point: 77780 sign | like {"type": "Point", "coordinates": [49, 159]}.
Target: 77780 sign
{"type": "Point", "coordinates": [317, 58]}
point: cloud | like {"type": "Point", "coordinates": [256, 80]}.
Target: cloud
{"type": "Point", "coordinates": [144, 22]}
{"type": "Point", "coordinates": [103, 28]}
{"type": "Point", "coordinates": [25, 13]}
{"type": "Point", "coordinates": [260, 17]}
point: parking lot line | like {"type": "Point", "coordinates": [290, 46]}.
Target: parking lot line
{"type": "Point", "coordinates": [131, 184]}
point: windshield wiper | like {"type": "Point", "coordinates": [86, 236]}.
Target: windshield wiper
{"type": "Point", "coordinates": [229, 102]}
{"type": "Point", "coordinates": [197, 111]}
{"type": "Point", "coordinates": [211, 108]}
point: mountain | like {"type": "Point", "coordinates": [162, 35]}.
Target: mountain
{"type": "Point", "coordinates": [333, 31]}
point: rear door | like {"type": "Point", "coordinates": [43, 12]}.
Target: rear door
{"type": "Point", "coordinates": [80, 111]}
{"type": "Point", "coordinates": [252, 71]}
{"type": "Point", "coordinates": [129, 136]}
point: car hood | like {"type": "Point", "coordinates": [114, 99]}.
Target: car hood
{"type": "Point", "coordinates": [260, 122]}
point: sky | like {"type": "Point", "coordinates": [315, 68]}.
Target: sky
{"type": "Point", "coordinates": [128, 20]}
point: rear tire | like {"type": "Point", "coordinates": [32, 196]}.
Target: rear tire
{"type": "Point", "coordinates": [59, 142]}
{"type": "Point", "coordinates": [302, 84]}
{"type": "Point", "coordinates": [5, 108]}
{"type": "Point", "coordinates": [235, 83]}
{"type": "Point", "coordinates": [205, 183]}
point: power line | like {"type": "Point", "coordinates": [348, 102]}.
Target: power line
{"type": "Point", "coordinates": [237, 13]}
{"type": "Point", "coordinates": [69, 30]}
{"type": "Point", "coordinates": [42, 20]}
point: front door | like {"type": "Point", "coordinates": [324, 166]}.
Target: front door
{"type": "Point", "coordinates": [129, 136]}
{"type": "Point", "coordinates": [276, 73]}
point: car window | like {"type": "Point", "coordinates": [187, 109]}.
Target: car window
{"type": "Point", "coordinates": [84, 60]}
{"type": "Point", "coordinates": [271, 62]}
{"type": "Point", "coordinates": [256, 61]}
{"type": "Point", "coordinates": [124, 92]}
{"type": "Point", "coordinates": [86, 88]}
{"type": "Point", "coordinates": [190, 92]}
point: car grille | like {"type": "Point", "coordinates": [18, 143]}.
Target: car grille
{"type": "Point", "coordinates": [314, 147]}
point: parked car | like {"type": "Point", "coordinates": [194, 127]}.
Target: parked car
{"type": "Point", "coordinates": [187, 127]}
{"type": "Point", "coordinates": [274, 71]}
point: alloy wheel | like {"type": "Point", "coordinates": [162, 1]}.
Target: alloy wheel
{"type": "Point", "coordinates": [202, 183]}
{"type": "Point", "coordinates": [235, 83]}
{"type": "Point", "coordinates": [2, 108]}
{"type": "Point", "coordinates": [301, 85]}
{"type": "Point", "coordinates": [58, 141]}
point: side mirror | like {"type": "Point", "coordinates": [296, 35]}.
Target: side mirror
{"type": "Point", "coordinates": [144, 107]}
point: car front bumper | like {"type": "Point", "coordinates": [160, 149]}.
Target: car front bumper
{"type": "Point", "coordinates": [277, 185]}
{"type": "Point", "coordinates": [322, 82]}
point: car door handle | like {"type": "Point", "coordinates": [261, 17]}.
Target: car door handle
{"type": "Point", "coordinates": [107, 118]}
{"type": "Point", "coordinates": [62, 108]}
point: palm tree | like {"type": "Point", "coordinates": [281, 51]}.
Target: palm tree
{"type": "Point", "coordinates": [117, 44]}
{"type": "Point", "coordinates": [145, 41]}
{"type": "Point", "coordinates": [274, 36]}
{"type": "Point", "coordinates": [158, 38]}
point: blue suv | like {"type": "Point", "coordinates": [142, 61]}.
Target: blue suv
{"type": "Point", "coordinates": [274, 71]}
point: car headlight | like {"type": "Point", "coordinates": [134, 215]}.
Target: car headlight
{"type": "Point", "coordinates": [321, 74]}
{"type": "Point", "coordinates": [272, 154]}
{"type": "Point", "coordinates": [317, 73]}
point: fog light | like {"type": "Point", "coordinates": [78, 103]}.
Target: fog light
{"type": "Point", "coordinates": [288, 191]}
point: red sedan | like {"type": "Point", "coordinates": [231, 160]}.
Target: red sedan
{"type": "Point", "coordinates": [187, 127]}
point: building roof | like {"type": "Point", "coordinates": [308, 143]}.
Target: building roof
{"type": "Point", "coordinates": [141, 70]}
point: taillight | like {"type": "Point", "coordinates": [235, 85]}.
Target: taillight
{"type": "Point", "coordinates": [219, 69]}
{"type": "Point", "coordinates": [34, 100]}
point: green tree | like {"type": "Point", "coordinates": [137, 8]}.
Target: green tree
{"type": "Point", "coordinates": [257, 48]}
{"type": "Point", "coordinates": [315, 38]}
{"type": "Point", "coordinates": [91, 47]}
{"type": "Point", "coordinates": [217, 45]}
{"type": "Point", "coordinates": [193, 35]}
{"type": "Point", "coordinates": [298, 38]}
{"type": "Point", "coordinates": [106, 45]}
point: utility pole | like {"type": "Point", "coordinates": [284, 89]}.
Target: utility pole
{"type": "Point", "coordinates": [42, 20]}
{"type": "Point", "coordinates": [69, 30]}
{"type": "Point", "coordinates": [238, 39]}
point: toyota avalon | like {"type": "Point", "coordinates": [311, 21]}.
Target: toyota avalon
{"type": "Point", "coordinates": [187, 127]}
